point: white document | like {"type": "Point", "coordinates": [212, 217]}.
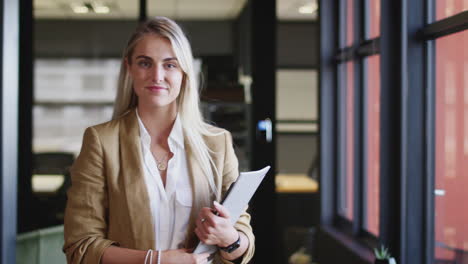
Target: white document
{"type": "Point", "coordinates": [237, 199]}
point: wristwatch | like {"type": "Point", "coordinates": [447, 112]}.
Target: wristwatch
{"type": "Point", "coordinates": [231, 247]}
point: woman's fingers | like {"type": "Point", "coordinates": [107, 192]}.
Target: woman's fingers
{"type": "Point", "coordinates": [213, 225]}
{"type": "Point", "coordinates": [222, 211]}
{"type": "Point", "coordinates": [203, 258]}
{"type": "Point", "coordinates": [204, 237]}
{"type": "Point", "coordinates": [202, 226]}
{"type": "Point", "coordinates": [206, 215]}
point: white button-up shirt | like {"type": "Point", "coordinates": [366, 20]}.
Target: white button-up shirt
{"type": "Point", "coordinates": [170, 206]}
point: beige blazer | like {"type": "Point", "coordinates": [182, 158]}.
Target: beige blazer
{"type": "Point", "coordinates": [108, 202]}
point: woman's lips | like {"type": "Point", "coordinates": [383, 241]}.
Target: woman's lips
{"type": "Point", "coordinates": [156, 88]}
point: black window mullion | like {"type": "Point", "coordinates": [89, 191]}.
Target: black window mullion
{"type": "Point", "coordinates": [345, 54]}
{"type": "Point", "coordinates": [430, 80]}
{"type": "Point", "coordinates": [430, 151]}
{"type": "Point", "coordinates": [358, 187]}
{"type": "Point", "coordinates": [329, 43]}
{"type": "Point", "coordinates": [142, 11]}
{"type": "Point", "coordinates": [369, 47]}
{"type": "Point", "coordinates": [392, 191]}
{"type": "Point", "coordinates": [413, 143]}
{"type": "Point", "coordinates": [446, 26]}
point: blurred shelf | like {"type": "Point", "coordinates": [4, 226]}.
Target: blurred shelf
{"type": "Point", "coordinates": [233, 117]}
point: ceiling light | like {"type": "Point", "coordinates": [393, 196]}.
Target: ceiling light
{"type": "Point", "coordinates": [309, 8]}
{"type": "Point", "coordinates": [90, 7]}
{"type": "Point", "coordinates": [101, 9]}
{"type": "Point", "coordinates": [80, 9]}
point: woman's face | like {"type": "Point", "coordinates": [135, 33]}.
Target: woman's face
{"type": "Point", "coordinates": [156, 73]}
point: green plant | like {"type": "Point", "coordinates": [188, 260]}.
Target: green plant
{"type": "Point", "coordinates": [382, 253]}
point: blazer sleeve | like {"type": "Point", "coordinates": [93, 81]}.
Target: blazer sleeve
{"type": "Point", "coordinates": [85, 227]}
{"type": "Point", "coordinates": [230, 174]}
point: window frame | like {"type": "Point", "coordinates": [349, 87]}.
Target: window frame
{"type": "Point", "coordinates": [360, 50]}
{"type": "Point", "coordinates": [407, 122]}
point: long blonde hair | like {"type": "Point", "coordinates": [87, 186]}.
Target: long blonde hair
{"type": "Point", "coordinates": [188, 101]}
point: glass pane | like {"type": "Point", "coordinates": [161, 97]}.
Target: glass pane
{"type": "Point", "coordinates": [447, 8]}
{"type": "Point", "coordinates": [347, 176]}
{"type": "Point", "coordinates": [349, 23]}
{"type": "Point", "coordinates": [451, 148]}
{"type": "Point", "coordinates": [373, 19]}
{"type": "Point", "coordinates": [77, 48]}
{"type": "Point", "coordinates": [372, 144]}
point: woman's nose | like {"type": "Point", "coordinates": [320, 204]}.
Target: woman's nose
{"type": "Point", "coordinates": [158, 74]}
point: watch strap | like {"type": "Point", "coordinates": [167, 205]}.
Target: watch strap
{"type": "Point", "coordinates": [231, 247]}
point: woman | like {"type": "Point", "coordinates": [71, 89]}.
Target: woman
{"type": "Point", "coordinates": [150, 178]}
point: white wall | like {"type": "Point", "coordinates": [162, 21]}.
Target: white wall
{"type": "Point", "coordinates": [296, 99]}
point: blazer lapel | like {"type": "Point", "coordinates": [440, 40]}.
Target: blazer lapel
{"type": "Point", "coordinates": [200, 194]}
{"type": "Point", "coordinates": [135, 185]}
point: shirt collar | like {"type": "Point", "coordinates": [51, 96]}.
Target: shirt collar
{"type": "Point", "coordinates": [175, 137]}
{"type": "Point", "coordinates": [177, 134]}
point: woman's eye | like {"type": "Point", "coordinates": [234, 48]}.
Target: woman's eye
{"type": "Point", "coordinates": [171, 65]}
{"type": "Point", "coordinates": [144, 64]}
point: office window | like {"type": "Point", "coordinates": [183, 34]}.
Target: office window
{"type": "Point", "coordinates": [346, 181]}
{"type": "Point", "coordinates": [372, 145]}
{"type": "Point", "coordinates": [410, 127]}
{"type": "Point", "coordinates": [447, 8]}
{"type": "Point", "coordinates": [451, 146]}
{"type": "Point", "coordinates": [373, 18]}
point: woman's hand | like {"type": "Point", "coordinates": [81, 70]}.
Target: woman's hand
{"type": "Point", "coordinates": [182, 255]}
{"type": "Point", "coordinates": [118, 255]}
{"type": "Point", "coordinates": [215, 229]}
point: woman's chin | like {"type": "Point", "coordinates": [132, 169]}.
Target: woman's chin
{"type": "Point", "coordinates": [158, 103]}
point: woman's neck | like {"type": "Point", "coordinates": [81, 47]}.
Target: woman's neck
{"type": "Point", "coordinates": [158, 121]}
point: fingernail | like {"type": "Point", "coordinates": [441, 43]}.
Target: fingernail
{"type": "Point", "coordinates": [216, 203]}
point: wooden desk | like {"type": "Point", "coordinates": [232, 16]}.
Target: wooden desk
{"type": "Point", "coordinates": [297, 209]}
{"type": "Point", "coordinates": [295, 183]}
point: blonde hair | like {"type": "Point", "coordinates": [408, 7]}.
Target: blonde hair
{"type": "Point", "coordinates": [188, 101]}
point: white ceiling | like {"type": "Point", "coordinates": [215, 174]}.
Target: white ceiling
{"type": "Point", "coordinates": [176, 9]}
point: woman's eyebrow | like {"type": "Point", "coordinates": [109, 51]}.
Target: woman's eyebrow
{"type": "Point", "coordinates": [170, 59]}
{"type": "Point", "coordinates": [149, 58]}
{"type": "Point", "coordinates": [143, 57]}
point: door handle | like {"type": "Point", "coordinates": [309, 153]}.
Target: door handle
{"type": "Point", "coordinates": [265, 127]}
{"type": "Point", "coordinates": [439, 192]}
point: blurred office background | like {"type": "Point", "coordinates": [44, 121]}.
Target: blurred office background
{"type": "Point", "coordinates": [360, 106]}
{"type": "Point", "coordinates": [77, 55]}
